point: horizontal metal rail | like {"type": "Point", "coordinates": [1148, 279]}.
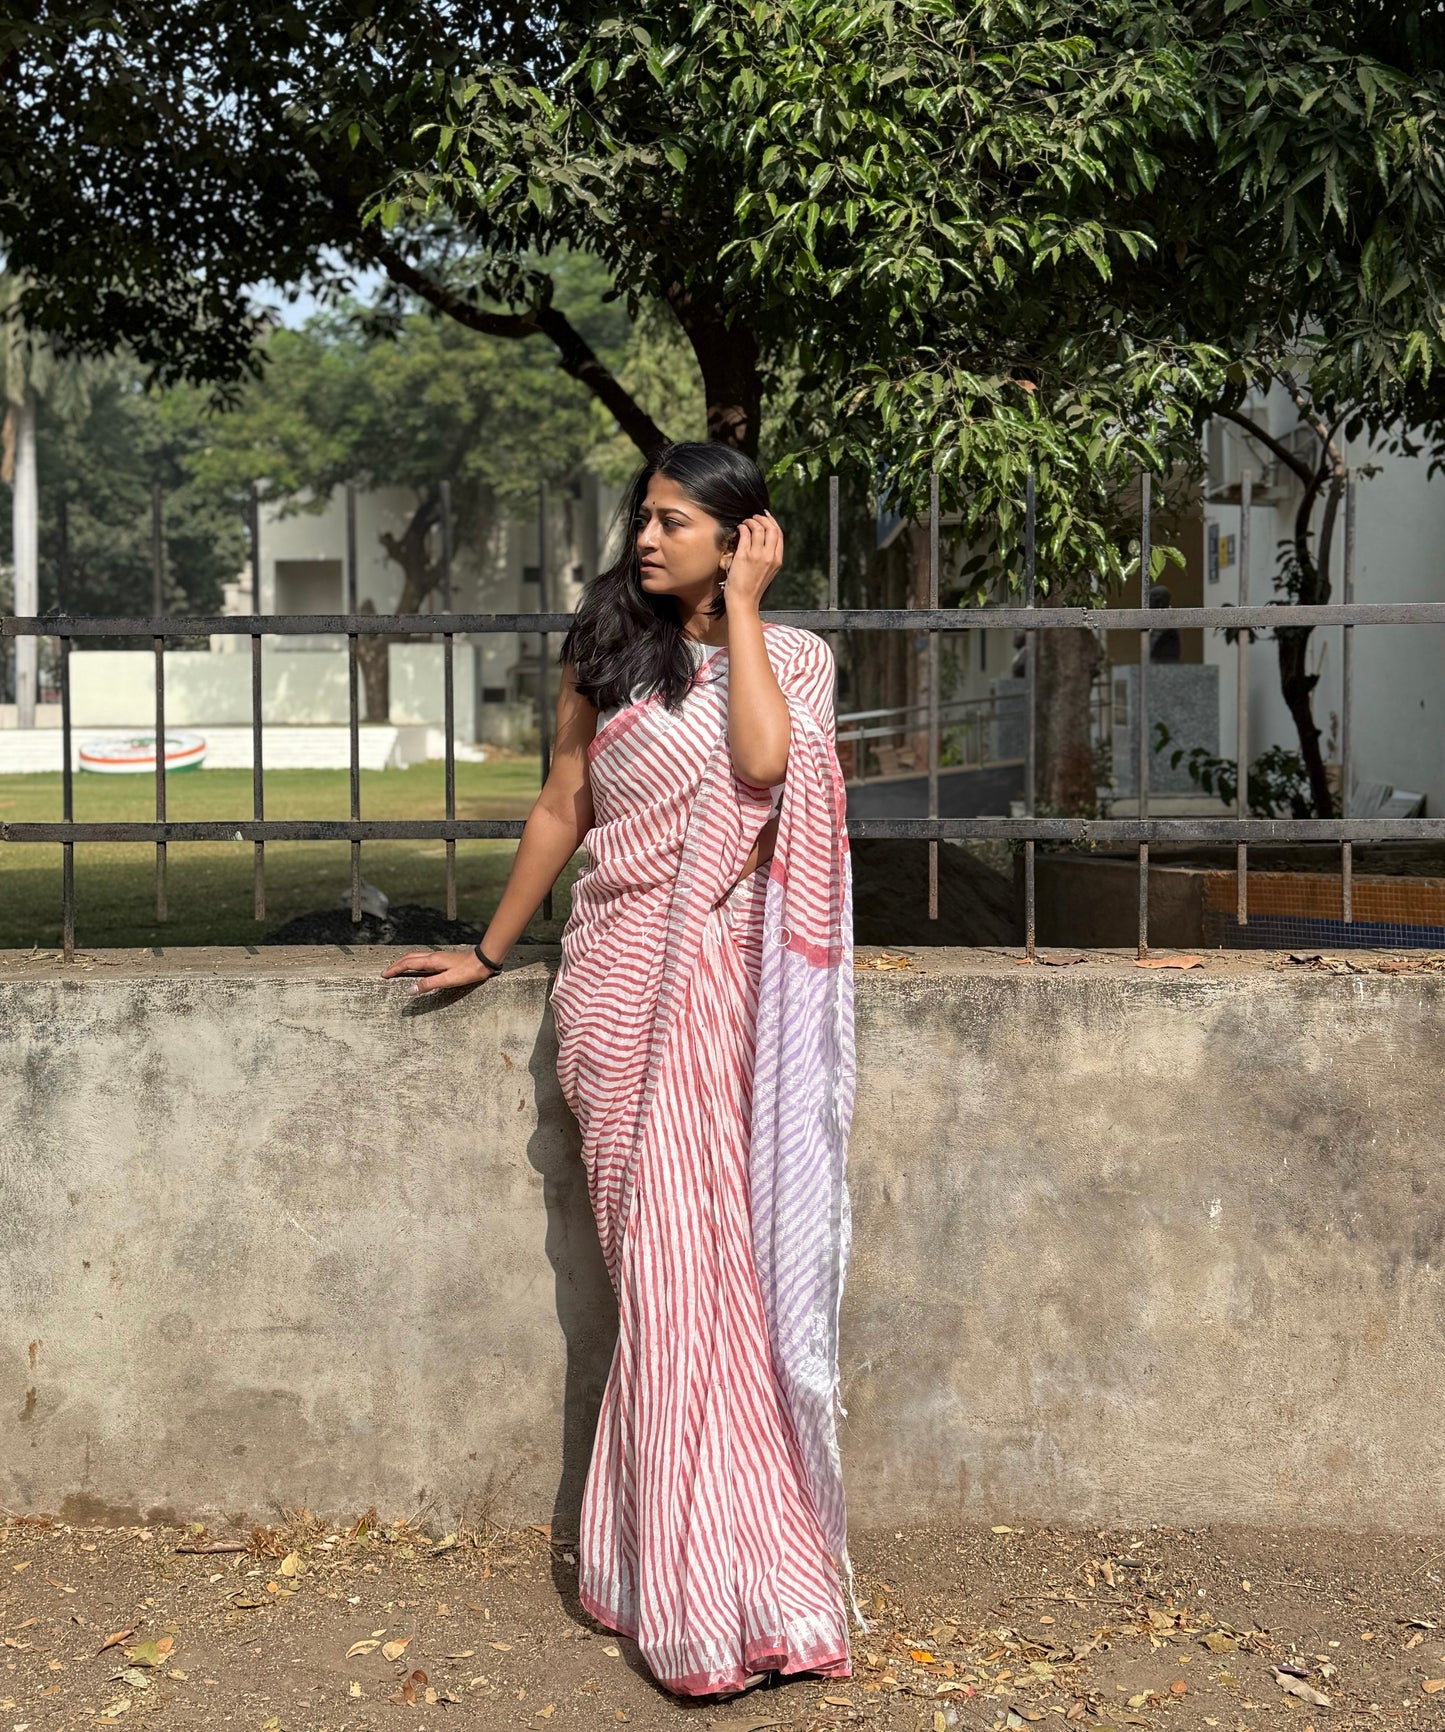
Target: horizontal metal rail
{"type": "Point", "coordinates": [1273, 617]}
{"type": "Point", "coordinates": [1081, 830]}
{"type": "Point", "coordinates": [929, 624]}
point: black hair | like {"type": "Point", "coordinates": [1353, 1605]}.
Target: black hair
{"type": "Point", "coordinates": [623, 637]}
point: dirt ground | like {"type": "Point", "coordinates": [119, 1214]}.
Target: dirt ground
{"type": "Point", "coordinates": [309, 1628]}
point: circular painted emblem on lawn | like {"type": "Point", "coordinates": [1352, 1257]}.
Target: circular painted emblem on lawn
{"type": "Point", "coordinates": [136, 755]}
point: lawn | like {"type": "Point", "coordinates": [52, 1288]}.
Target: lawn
{"type": "Point", "coordinates": [209, 883]}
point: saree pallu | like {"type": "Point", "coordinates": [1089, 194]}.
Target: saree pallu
{"type": "Point", "coordinates": [705, 1026]}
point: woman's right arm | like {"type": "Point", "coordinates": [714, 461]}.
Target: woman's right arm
{"type": "Point", "coordinates": [553, 833]}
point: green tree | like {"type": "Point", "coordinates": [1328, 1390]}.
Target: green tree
{"type": "Point", "coordinates": [974, 237]}
{"type": "Point", "coordinates": [104, 443]}
{"type": "Point", "coordinates": [428, 401]}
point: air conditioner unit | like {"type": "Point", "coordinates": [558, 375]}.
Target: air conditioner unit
{"type": "Point", "coordinates": [1228, 451]}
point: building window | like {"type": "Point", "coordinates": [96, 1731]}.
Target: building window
{"type": "Point", "coordinates": [309, 586]}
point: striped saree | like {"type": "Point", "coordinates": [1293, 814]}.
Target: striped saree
{"type": "Point", "coordinates": [705, 1032]}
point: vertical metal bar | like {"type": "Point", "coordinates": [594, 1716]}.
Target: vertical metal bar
{"type": "Point", "coordinates": [351, 582]}
{"type": "Point", "coordinates": [258, 789]}
{"type": "Point", "coordinates": [933, 682]}
{"type": "Point", "coordinates": [445, 491]}
{"type": "Point", "coordinates": [1030, 719]}
{"type": "Point", "coordinates": [448, 725]}
{"type": "Point", "coordinates": [67, 810]}
{"type": "Point", "coordinates": [1145, 562]}
{"type": "Point", "coordinates": [1241, 704]}
{"type": "Point", "coordinates": [158, 553]}
{"type": "Point", "coordinates": [1347, 671]}
{"type": "Point", "coordinates": [833, 517]}
{"type": "Point", "coordinates": [159, 646]}
{"type": "Point", "coordinates": [544, 731]}
{"type": "Point", "coordinates": [834, 564]}
{"type": "Point", "coordinates": [354, 699]}
{"type": "Point", "coordinates": [254, 527]}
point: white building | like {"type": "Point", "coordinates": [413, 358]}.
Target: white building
{"type": "Point", "coordinates": [303, 570]}
{"type": "Point", "coordinates": [1398, 707]}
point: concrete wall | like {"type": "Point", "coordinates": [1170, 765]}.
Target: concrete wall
{"type": "Point", "coordinates": [1149, 1248]}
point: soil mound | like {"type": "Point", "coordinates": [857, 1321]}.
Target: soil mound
{"type": "Point", "coordinates": [408, 923]}
{"type": "Point", "coordinates": [890, 897]}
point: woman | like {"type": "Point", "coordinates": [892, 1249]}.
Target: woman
{"type": "Point", "coordinates": [705, 1024]}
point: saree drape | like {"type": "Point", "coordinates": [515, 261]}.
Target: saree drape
{"type": "Point", "coordinates": [705, 1028]}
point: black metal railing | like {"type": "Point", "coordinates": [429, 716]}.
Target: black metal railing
{"type": "Point", "coordinates": [1141, 830]}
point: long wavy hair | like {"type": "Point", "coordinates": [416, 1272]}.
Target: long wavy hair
{"type": "Point", "coordinates": [623, 637]}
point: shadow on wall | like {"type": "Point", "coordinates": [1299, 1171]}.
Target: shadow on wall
{"type": "Point", "coordinates": [586, 1306]}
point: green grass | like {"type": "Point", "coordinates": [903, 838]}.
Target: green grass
{"type": "Point", "coordinates": [209, 883]}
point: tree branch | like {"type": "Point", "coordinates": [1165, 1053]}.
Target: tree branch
{"type": "Point", "coordinates": [579, 360]}
{"type": "Point", "coordinates": [1282, 452]}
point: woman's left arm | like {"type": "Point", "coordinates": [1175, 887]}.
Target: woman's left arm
{"type": "Point", "coordinates": [758, 727]}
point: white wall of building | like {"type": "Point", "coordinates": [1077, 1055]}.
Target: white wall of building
{"type": "Point", "coordinates": [1398, 712]}
{"type": "Point", "coordinates": [116, 688]}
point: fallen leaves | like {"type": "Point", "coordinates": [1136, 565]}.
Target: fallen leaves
{"type": "Point", "coordinates": [884, 961]}
{"type": "Point", "coordinates": [415, 1689]}
{"type": "Point", "coordinates": [1169, 962]}
{"type": "Point", "coordinates": [1298, 1687]}
{"type": "Point", "coordinates": [1431, 1685]}
{"type": "Point", "coordinates": [366, 1646]}
{"type": "Point", "coordinates": [152, 1654]}
{"type": "Point", "coordinates": [395, 1650]}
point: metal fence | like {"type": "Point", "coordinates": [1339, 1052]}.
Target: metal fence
{"type": "Point", "coordinates": [1030, 829]}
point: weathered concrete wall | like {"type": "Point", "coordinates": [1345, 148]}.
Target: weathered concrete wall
{"type": "Point", "coordinates": [1129, 1246]}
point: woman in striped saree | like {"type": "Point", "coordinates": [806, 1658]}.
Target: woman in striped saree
{"type": "Point", "coordinates": [705, 1023]}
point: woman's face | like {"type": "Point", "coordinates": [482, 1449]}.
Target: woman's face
{"type": "Point", "coordinates": [679, 545]}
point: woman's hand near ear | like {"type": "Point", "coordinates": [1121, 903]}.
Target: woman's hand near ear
{"type": "Point", "coordinates": [758, 727]}
{"type": "Point", "coordinates": [757, 559]}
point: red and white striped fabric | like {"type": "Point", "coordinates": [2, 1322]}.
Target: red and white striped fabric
{"type": "Point", "coordinates": [701, 1533]}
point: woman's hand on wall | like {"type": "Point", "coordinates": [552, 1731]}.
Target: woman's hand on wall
{"type": "Point", "coordinates": [442, 969]}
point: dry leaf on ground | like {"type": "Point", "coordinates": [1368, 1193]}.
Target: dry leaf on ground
{"type": "Point", "coordinates": [1298, 1687]}
{"type": "Point", "coordinates": [1169, 962]}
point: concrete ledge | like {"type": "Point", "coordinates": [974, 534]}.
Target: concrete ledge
{"type": "Point", "coordinates": [1129, 1246]}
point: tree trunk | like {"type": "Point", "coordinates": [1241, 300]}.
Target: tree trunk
{"type": "Point", "coordinates": [1297, 686]}
{"type": "Point", "coordinates": [26, 510]}
{"type": "Point", "coordinates": [1066, 665]}
{"type": "Point", "coordinates": [728, 358]}
{"type": "Point", "coordinates": [420, 576]}
{"type": "Point", "coordinates": [371, 656]}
